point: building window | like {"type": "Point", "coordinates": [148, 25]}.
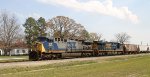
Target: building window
{"type": "Point", "coordinates": [23, 51]}
{"type": "Point", "coordinates": [17, 51]}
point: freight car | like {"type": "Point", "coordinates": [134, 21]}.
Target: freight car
{"type": "Point", "coordinates": [132, 49]}
{"type": "Point", "coordinates": [144, 48]}
{"type": "Point", "coordinates": [55, 48]}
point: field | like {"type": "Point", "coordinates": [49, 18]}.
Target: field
{"type": "Point", "coordinates": [133, 66]}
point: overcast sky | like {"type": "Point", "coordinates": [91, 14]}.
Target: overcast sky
{"type": "Point", "coordinates": [107, 17]}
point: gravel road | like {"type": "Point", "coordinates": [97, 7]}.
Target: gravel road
{"type": "Point", "coordinates": [45, 62]}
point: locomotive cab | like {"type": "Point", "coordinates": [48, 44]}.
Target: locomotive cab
{"type": "Point", "coordinates": [42, 45]}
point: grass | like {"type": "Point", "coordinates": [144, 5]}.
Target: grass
{"type": "Point", "coordinates": [116, 67]}
{"type": "Point", "coordinates": [4, 59]}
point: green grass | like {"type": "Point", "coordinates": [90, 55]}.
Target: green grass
{"type": "Point", "coordinates": [4, 59]}
{"type": "Point", "coordinates": [116, 67]}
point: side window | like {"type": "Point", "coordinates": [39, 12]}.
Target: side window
{"type": "Point", "coordinates": [74, 45]}
{"type": "Point", "coordinates": [65, 40]}
{"type": "Point", "coordinates": [55, 39]}
{"type": "Point", "coordinates": [58, 39]}
{"type": "Point", "coordinates": [61, 39]}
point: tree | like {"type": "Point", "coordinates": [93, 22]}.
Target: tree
{"type": "Point", "coordinates": [9, 30]}
{"type": "Point", "coordinates": [42, 26]}
{"type": "Point", "coordinates": [20, 41]}
{"type": "Point", "coordinates": [84, 35]}
{"type": "Point", "coordinates": [64, 27]}
{"type": "Point", "coordinates": [122, 37]}
{"type": "Point", "coordinates": [95, 36]}
{"type": "Point", "coordinates": [31, 31]}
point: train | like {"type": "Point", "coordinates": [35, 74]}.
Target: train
{"type": "Point", "coordinates": [57, 48]}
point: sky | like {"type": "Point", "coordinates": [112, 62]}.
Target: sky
{"type": "Point", "coordinates": [107, 17]}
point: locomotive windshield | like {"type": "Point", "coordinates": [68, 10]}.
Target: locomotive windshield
{"type": "Point", "coordinates": [43, 39]}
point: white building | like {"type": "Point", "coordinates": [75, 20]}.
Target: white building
{"type": "Point", "coordinates": [19, 51]}
{"type": "Point", "coordinates": [1, 52]}
{"type": "Point", "coordinates": [16, 51]}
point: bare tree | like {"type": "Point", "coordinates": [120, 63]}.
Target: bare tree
{"type": "Point", "coordinates": [95, 36]}
{"type": "Point", "coordinates": [64, 27]}
{"type": "Point", "coordinates": [84, 35]}
{"type": "Point", "coordinates": [9, 29]}
{"type": "Point", "coordinates": [122, 37]}
{"type": "Point", "coordinates": [20, 41]}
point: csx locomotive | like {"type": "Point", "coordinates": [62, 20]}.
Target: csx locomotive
{"type": "Point", "coordinates": [54, 48]}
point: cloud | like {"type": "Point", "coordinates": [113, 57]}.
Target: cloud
{"type": "Point", "coordinates": [105, 8]}
{"type": "Point", "coordinates": [22, 17]}
{"type": "Point", "coordinates": [19, 15]}
{"type": "Point", "coordinates": [34, 15]}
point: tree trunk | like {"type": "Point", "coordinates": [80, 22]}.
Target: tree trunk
{"type": "Point", "coordinates": [7, 52]}
{"type": "Point", "coordinates": [124, 49]}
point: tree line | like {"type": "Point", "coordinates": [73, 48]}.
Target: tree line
{"type": "Point", "coordinates": [59, 26]}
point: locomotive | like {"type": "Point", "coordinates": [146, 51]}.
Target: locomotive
{"type": "Point", "coordinates": [55, 48]}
